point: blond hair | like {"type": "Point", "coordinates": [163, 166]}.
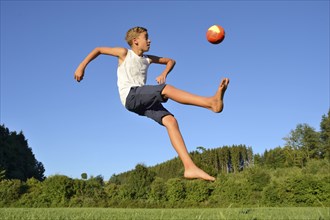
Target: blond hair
{"type": "Point", "coordinates": [134, 33]}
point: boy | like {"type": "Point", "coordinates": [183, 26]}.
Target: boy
{"type": "Point", "coordinates": [146, 100]}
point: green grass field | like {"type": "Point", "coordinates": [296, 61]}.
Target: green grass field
{"type": "Point", "coordinates": [153, 214]}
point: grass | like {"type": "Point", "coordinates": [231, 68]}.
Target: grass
{"type": "Point", "coordinates": [165, 214]}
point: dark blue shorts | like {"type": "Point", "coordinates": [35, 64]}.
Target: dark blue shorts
{"type": "Point", "coordinates": [147, 101]}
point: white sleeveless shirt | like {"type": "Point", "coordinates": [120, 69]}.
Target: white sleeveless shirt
{"type": "Point", "coordinates": [131, 72]}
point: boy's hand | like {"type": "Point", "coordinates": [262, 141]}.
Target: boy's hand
{"type": "Point", "coordinates": [79, 74]}
{"type": "Point", "coordinates": [161, 79]}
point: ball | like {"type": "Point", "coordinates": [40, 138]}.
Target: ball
{"type": "Point", "coordinates": [215, 34]}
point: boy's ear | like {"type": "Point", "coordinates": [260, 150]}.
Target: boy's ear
{"type": "Point", "coordinates": [135, 42]}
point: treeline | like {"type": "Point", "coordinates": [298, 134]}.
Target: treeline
{"type": "Point", "coordinates": [294, 175]}
{"type": "Point", "coordinates": [226, 159]}
{"type": "Point", "coordinates": [254, 186]}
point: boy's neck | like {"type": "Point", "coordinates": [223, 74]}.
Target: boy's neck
{"type": "Point", "coordinates": [138, 51]}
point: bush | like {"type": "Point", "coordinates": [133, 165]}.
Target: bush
{"type": "Point", "coordinates": [32, 197]}
{"type": "Point", "coordinates": [57, 190]}
{"type": "Point", "coordinates": [175, 191]}
{"type": "Point", "coordinates": [231, 190]}
{"type": "Point", "coordinates": [298, 190]}
{"type": "Point", "coordinates": [314, 167]}
{"type": "Point", "coordinates": [257, 178]}
{"type": "Point", "coordinates": [197, 191]}
{"type": "Point", "coordinates": [10, 192]}
{"type": "Point", "coordinates": [158, 190]}
{"type": "Point", "coordinates": [273, 194]}
{"type": "Point", "coordinates": [306, 190]}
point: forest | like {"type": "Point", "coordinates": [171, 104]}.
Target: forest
{"type": "Point", "coordinates": [296, 174]}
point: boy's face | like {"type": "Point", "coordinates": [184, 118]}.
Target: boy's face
{"type": "Point", "coordinates": [142, 41]}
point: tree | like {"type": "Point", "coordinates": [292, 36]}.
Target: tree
{"type": "Point", "coordinates": [258, 159]}
{"type": "Point", "coordinates": [225, 158]}
{"type": "Point", "coordinates": [275, 158]}
{"type": "Point", "coordinates": [84, 176]}
{"type": "Point", "coordinates": [2, 174]}
{"type": "Point", "coordinates": [139, 182]}
{"type": "Point", "coordinates": [16, 157]}
{"type": "Point", "coordinates": [235, 158]}
{"type": "Point", "coordinates": [201, 149]}
{"type": "Point", "coordinates": [250, 160]}
{"type": "Point", "coordinates": [325, 136]}
{"type": "Point", "coordinates": [305, 139]}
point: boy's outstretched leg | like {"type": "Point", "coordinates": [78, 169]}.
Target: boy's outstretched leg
{"type": "Point", "coordinates": [191, 170]}
{"type": "Point", "coordinates": [213, 103]}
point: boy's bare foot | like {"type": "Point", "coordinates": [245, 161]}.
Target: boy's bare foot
{"type": "Point", "coordinates": [196, 173]}
{"type": "Point", "coordinates": [217, 105]}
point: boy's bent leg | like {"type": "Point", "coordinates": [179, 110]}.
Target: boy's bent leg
{"type": "Point", "coordinates": [213, 103]}
{"type": "Point", "coordinates": [191, 170]}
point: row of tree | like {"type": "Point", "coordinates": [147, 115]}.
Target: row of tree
{"type": "Point", "coordinates": [302, 144]}
{"type": "Point", "coordinates": [294, 175]}
{"type": "Point", "coordinates": [255, 186]}
{"type": "Point", "coordinates": [223, 160]}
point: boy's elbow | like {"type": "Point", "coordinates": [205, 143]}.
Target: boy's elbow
{"type": "Point", "coordinates": [173, 62]}
{"type": "Point", "coordinates": [97, 51]}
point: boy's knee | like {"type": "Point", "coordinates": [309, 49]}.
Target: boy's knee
{"type": "Point", "coordinates": [169, 120]}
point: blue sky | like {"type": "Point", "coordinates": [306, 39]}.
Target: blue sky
{"type": "Point", "coordinates": [276, 54]}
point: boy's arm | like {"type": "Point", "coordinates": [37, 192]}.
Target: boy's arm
{"type": "Point", "coordinates": [115, 51]}
{"type": "Point", "coordinates": [169, 66]}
